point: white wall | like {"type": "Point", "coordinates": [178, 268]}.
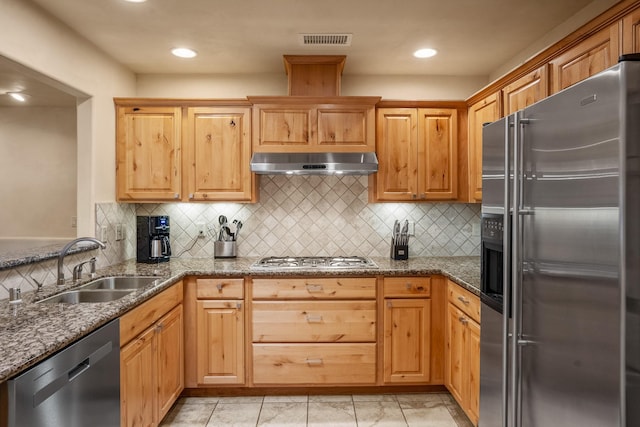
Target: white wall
{"type": "Point", "coordinates": [242, 85]}
{"type": "Point", "coordinates": [38, 171]}
{"type": "Point", "coordinates": [36, 40]}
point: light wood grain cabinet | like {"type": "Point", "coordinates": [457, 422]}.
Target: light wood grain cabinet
{"type": "Point", "coordinates": [151, 358]}
{"type": "Point", "coordinates": [596, 53]}
{"type": "Point", "coordinates": [217, 154]}
{"type": "Point", "coordinates": [218, 342]}
{"type": "Point", "coordinates": [314, 331]}
{"type": "Point", "coordinates": [183, 152]}
{"type": "Point", "coordinates": [417, 154]}
{"type": "Point", "coordinates": [484, 111]}
{"type": "Point", "coordinates": [308, 124]}
{"type": "Point", "coordinates": [148, 153]}
{"type": "Point", "coordinates": [413, 343]}
{"type": "Point", "coordinates": [631, 32]}
{"type": "Point", "coordinates": [525, 91]}
{"type": "Point", "coordinates": [463, 349]}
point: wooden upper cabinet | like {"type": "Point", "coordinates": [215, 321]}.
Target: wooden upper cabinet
{"type": "Point", "coordinates": [437, 154]}
{"type": "Point", "coordinates": [397, 137]}
{"type": "Point", "coordinates": [525, 91]}
{"type": "Point", "coordinates": [217, 154]}
{"type": "Point", "coordinates": [596, 53]}
{"type": "Point", "coordinates": [484, 111]}
{"type": "Point", "coordinates": [631, 32]}
{"type": "Point", "coordinates": [417, 154]}
{"type": "Point", "coordinates": [148, 153]}
{"type": "Point", "coordinates": [308, 124]}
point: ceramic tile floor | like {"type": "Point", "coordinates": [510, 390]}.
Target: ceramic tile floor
{"type": "Point", "coordinates": [380, 410]}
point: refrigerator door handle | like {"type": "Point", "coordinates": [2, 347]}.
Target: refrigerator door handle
{"type": "Point", "coordinates": [516, 272]}
{"type": "Point", "coordinates": [506, 261]}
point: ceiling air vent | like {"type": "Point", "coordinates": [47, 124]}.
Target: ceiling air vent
{"type": "Point", "coordinates": [325, 39]}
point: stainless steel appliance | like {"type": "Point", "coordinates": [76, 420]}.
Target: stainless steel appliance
{"type": "Point", "coordinates": [564, 177]}
{"type": "Point", "coordinates": [152, 239]}
{"type": "Point", "coordinates": [314, 163]}
{"type": "Point", "coordinates": [79, 386]}
{"type": "Point", "coordinates": [315, 262]}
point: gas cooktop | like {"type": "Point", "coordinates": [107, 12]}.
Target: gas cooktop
{"type": "Point", "coordinates": [339, 262]}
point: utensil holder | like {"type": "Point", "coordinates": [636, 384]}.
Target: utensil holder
{"type": "Point", "coordinates": [400, 252]}
{"type": "Point", "coordinates": [222, 249]}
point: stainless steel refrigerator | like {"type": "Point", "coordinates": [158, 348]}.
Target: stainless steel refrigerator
{"type": "Point", "coordinates": [560, 333]}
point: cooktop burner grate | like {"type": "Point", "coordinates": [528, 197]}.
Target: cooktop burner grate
{"type": "Point", "coordinates": [341, 262]}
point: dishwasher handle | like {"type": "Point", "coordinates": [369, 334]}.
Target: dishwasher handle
{"type": "Point", "coordinates": [53, 386]}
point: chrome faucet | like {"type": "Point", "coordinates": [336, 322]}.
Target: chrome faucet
{"type": "Point", "coordinates": [66, 248]}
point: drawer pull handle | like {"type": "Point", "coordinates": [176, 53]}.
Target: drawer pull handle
{"type": "Point", "coordinates": [314, 288]}
{"type": "Point", "coordinates": [219, 286]}
{"type": "Point", "coordinates": [314, 318]}
{"type": "Point", "coordinates": [314, 362]}
{"type": "Point", "coordinates": [463, 320]}
{"type": "Point", "coordinates": [239, 306]}
{"type": "Point", "coordinates": [463, 300]}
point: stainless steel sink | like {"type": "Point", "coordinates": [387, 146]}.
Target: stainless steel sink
{"type": "Point", "coordinates": [87, 296]}
{"type": "Point", "coordinates": [121, 282]}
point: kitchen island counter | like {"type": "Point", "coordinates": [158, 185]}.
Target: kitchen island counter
{"type": "Point", "coordinates": [31, 332]}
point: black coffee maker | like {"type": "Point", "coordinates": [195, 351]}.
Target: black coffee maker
{"type": "Point", "coordinates": [153, 239]}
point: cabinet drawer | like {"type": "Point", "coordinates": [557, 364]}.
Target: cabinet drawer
{"type": "Point", "coordinates": [419, 287]}
{"type": "Point", "coordinates": [315, 288]}
{"type": "Point", "coordinates": [314, 364]}
{"type": "Point", "coordinates": [218, 288]}
{"type": "Point", "coordinates": [465, 301]}
{"type": "Point", "coordinates": [314, 321]}
{"type": "Point", "coordinates": [149, 312]}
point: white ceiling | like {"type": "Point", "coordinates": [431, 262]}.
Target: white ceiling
{"type": "Point", "coordinates": [473, 37]}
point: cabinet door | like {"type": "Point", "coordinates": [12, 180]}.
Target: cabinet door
{"type": "Point", "coordinates": [485, 111]}
{"type": "Point", "coordinates": [455, 354]}
{"type": "Point", "coordinates": [407, 324]}
{"type": "Point", "coordinates": [220, 342]}
{"type": "Point", "coordinates": [137, 381]}
{"type": "Point", "coordinates": [437, 154]}
{"type": "Point", "coordinates": [283, 128]}
{"type": "Point", "coordinates": [595, 54]}
{"type": "Point", "coordinates": [525, 91]}
{"type": "Point", "coordinates": [397, 139]}
{"type": "Point", "coordinates": [170, 360]}
{"type": "Point", "coordinates": [346, 128]}
{"type": "Point", "coordinates": [148, 153]}
{"type": "Point", "coordinates": [218, 150]}
{"type": "Point", "coordinates": [631, 32]}
{"type": "Point", "coordinates": [473, 370]}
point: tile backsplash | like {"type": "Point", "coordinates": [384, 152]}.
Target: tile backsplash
{"type": "Point", "coordinates": [315, 216]}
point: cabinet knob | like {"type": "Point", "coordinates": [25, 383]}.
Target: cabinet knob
{"type": "Point", "coordinates": [176, 196]}
{"type": "Point", "coordinates": [314, 318]}
{"type": "Point", "coordinates": [219, 286]}
{"type": "Point", "coordinates": [408, 285]}
{"type": "Point", "coordinates": [191, 195]}
{"type": "Point", "coordinates": [415, 196]}
{"type": "Point", "coordinates": [389, 304]}
{"type": "Point", "coordinates": [239, 306]}
{"type": "Point", "coordinates": [463, 320]}
{"type": "Point", "coordinates": [314, 288]}
{"type": "Point", "coordinates": [463, 300]}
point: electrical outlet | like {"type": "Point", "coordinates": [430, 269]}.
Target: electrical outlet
{"type": "Point", "coordinates": [103, 233]}
{"type": "Point", "coordinates": [475, 229]}
{"type": "Point", "coordinates": [74, 221]}
{"type": "Point", "coordinates": [412, 228]}
{"type": "Point", "coordinates": [119, 232]}
{"type": "Point", "coordinates": [202, 229]}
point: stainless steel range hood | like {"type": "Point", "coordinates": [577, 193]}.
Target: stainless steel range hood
{"type": "Point", "coordinates": [314, 163]}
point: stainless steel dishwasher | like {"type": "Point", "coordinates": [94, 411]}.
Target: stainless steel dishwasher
{"type": "Point", "coordinates": [77, 387]}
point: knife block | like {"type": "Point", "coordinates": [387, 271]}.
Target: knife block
{"type": "Point", "coordinates": [399, 252]}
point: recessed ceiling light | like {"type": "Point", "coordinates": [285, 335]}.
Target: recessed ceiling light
{"type": "Point", "coordinates": [135, 1]}
{"type": "Point", "coordinates": [424, 53]}
{"type": "Point", "coordinates": [184, 52]}
{"type": "Point", "coordinates": [18, 96]}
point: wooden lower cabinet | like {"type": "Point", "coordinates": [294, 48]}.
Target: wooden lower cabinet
{"type": "Point", "coordinates": [151, 363]}
{"type": "Point", "coordinates": [463, 352]}
{"type": "Point", "coordinates": [314, 364]}
{"type": "Point", "coordinates": [220, 335]}
{"type": "Point", "coordinates": [407, 328]}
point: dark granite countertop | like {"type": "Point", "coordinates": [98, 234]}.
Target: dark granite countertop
{"type": "Point", "coordinates": [30, 332]}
